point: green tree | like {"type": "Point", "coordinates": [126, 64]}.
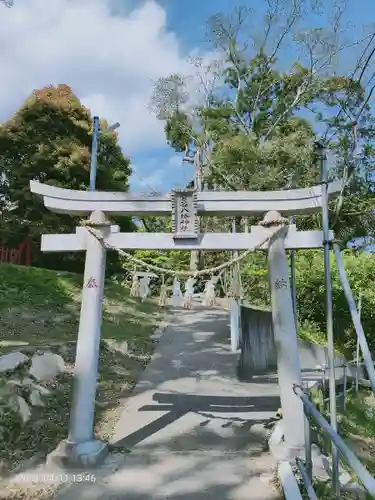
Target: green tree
{"type": "Point", "coordinates": [350, 137]}
{"type": "Point", "coordinates": [256, 126]}
{"type": "Point", "coordinates": [49, 139]}
{"type": "Point", "coordinates": [360, 270]}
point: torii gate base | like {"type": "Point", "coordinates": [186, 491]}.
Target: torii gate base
{"type": "Point", "coordinates": [81, 447]}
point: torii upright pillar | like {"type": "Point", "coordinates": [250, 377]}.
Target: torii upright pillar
{"type": "Point", "coordinates": [285, 333]}
{"type": "Point", "coordinates": [84, 447]}
{"type": "Point", "coordinates": [81, 447]}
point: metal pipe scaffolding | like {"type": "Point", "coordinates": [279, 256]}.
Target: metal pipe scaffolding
{"type": "Point", "coordinates": [320, 150]}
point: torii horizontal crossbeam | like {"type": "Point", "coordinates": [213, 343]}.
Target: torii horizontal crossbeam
{"type": "Point", "coordinates": [165, 241]}
{"type": "Point", "coordinates": [224, 203]}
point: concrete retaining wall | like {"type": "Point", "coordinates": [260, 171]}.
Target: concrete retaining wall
{"type": "Point", "coordinates": [258, 351]}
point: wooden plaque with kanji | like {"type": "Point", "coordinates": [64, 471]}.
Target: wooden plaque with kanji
{"type": "Point", "coordinates": [184, 213]}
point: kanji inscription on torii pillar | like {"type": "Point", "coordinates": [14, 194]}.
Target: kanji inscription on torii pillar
{"type": "Point", "coordinates": [184, 213]}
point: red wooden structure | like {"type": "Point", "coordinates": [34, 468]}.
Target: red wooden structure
{"type": "Point", "coordinates": [20, 255]}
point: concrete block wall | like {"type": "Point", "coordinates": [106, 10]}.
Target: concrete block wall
{"type": "Point", "coordinates": [258, 351]}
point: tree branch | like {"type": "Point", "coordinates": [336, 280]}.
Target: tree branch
{"type": "Point", "coordinates": [300, 91]}
{"type": "Point", "coordinates": [143, 220]}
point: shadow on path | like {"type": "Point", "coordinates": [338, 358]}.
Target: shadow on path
{"type": "Point", "coordinates": [178, 405]}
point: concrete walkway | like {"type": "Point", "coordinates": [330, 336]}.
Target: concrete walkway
{"type": "Point", "coordinates": [194, 431]}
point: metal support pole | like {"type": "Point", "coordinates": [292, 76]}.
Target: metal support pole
{"type": "Point", "coordinates": [195, 255]}
{"type": "Point", "coordinates": [308, 449]}
{"type": "Point", "coordinates": [345, 385]}
{"type": "Point", "coordinates": [357, 353]}
{"type": "Point", "coordinates": [234, 230]}
{"type": "Point", "coordinates": [94, 153]}
{"type": "Point", "coordinates": [324, 382]}
{"type": "Point", "coordinates": [366, 354]}
{"type": "Point", "coordinates": [293, 277]}
{"type": "Point", "coordinates": [235, 305]}
{"type": "Point", "coordinates": [328, 288]}
{"type": "Point", "coordinates": [306, 480]}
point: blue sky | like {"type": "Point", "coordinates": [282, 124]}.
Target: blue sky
{"type": "Point", "coordinates": [110, 52]}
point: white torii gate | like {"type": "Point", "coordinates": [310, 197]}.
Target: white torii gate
{"type": "Point", "coordinates": [185, 206]}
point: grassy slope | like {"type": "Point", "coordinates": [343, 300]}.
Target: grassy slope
{"type": "Point", "coordinates": [358, 426]}
{"type": "Point", "coordinates": [39, 307]}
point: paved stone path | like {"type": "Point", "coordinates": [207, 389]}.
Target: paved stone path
{"type": "Point", "coordinates": [195, 432]}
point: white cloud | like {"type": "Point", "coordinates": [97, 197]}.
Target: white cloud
{"type": "Point", "coordinates": [110, 62]}
{"type": "Point", "coordinates": [175, 161]}
{"type": "Point", "coordinates": [156, 175]}
{"type": "Point", "coordinates": [153, 181]}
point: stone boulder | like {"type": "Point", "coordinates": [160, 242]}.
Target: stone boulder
{"type": "Point", "coordinates": [11, 361]}
{"type": "Point", "coordinates": [46, 366]}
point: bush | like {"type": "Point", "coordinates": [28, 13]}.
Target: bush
{"type": "Point", "coordinates": [360, 269]}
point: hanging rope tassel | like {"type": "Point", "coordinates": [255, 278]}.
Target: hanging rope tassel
{"type": "Point", "coordinates": [144, 287]}
{"type": "Point", "coordinates": [235, 290]}
{"type": "Point", "coordinates": [135, 289]}
{"type": "Point", "coordinates": [176, 289]}
{"type": "Point", "coordinates": [163, 293]}
{"type": "Point", "coordinates": [188, 301]}
{"type": "Point", "coordinates": [209, 298]}
{"type": "Point", "coordinates": [189, 292]}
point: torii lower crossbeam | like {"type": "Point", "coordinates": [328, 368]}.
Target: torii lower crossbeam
{"type": "Point", "coordinates": [165, 241]}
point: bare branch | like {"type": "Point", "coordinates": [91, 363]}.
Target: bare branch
{"type": "Point", "coordinates": [300, 92]}
{"type": "Point", "coordinates": [362, 56]}
{"type": "Point", "coordinates": [371, 38]}
{"type": "Point", "coordinates": [293, 17]}
{"type": "Point", "coordinates": [338, 51]}
{"type": "Point", "coordinates": [367, 62]}
{"type": "Point", "coordinates": [367, 100]}
{"type": "Point", "coordinates": [208, 75]}
{"type": "Point", "coordinates": [270, 18]}
{"type": "Point", "coordinates": [222, 28]}
{"type": "Point", "coordinates": [169, 95]}
{"type": "Point", "coordinates": [370, 80]}
{"type": "Point", "coordinates": [238, 90]}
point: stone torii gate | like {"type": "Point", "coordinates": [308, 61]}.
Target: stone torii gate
{"type": "Point", "coordinates": [185, 206]}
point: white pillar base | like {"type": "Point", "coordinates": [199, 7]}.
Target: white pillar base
{"type": "Point", "coordinates": [234, 325]}
{"type": "Point", "coordinates": [88, 454]}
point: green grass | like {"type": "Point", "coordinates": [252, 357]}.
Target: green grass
{"type": "Point", "coordinates": [358, 426]}
{"type": "Point", "coordinates": [40, 309]}
{"type": "Point", "coordinates": [39, 305]}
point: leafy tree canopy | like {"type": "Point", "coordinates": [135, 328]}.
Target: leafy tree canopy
{"type": "Point", "coordinates": [49, 140]}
